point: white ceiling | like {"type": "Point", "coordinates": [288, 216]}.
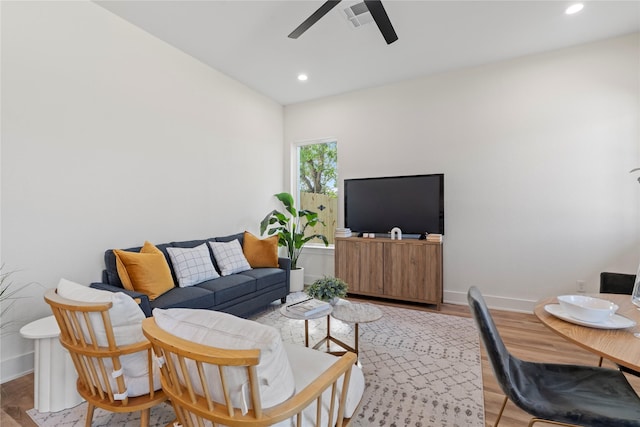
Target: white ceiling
{"type": "Point", "coordinates": [247, 40]}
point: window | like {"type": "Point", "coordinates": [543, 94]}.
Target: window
{"type": "Point", "coordinates": [317, 184]}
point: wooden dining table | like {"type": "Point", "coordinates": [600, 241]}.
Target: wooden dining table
{"type": "Point", "coordinates": [618, 345]}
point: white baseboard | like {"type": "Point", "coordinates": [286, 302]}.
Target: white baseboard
{"type": "Point", "coordinates": [16, 367]}
{"type": "Point", "coordinates": [499, 303]}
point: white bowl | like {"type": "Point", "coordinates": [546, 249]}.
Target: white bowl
{"type": "Point", "coordinates": [586, 308]}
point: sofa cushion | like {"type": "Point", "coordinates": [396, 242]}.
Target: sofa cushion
{"type": "Point", "coordinates": [229, 257]}
{"type": "Point", "coordinates": [260, 252]}
{"type": "Point", "coordinates": [146, 271]}
{"type": "Point", "coordinates": [228, 288]}
{"type": "Point", "coordinates": [266, 277]}
{"type": "Point", "coordinates": [222, 330]}
{"type": "Point", "coordinates": [192, 265]}
{"type": "Point", "coordinates": [126, 322]}
{"type": "Point", "coordinates": [111, 270]}
{"type": "Point", "coordinates": [191, 297]}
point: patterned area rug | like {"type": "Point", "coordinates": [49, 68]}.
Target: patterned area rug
{"type": "Point", "coordinates": [421, 369]}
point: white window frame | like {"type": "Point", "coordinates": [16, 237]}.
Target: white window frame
{"type": "Point", "coordinates": [295, 177]}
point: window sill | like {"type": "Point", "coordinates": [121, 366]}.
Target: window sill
{"type": "Point", "coordinates": [318, 249]}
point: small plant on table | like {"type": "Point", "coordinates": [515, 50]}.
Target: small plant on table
{"type": "Point", "coordinates": [328, 289]}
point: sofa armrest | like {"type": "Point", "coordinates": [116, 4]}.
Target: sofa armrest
{"type": "Point", "coordinates": [140, 298]}
{"type": "Point", "coordinates": [285, 264]}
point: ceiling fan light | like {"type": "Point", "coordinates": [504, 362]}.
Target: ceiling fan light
{"type": "Point", "coordinates": [574, 8]}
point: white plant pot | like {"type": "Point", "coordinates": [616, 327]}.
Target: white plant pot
{"type": "Point", "coordinates": [296, 283]}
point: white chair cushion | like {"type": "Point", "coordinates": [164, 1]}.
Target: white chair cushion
{"type": "Point", "coordinates": [126, 321]}
{"type": "Point", "coordinates": [307, 364]}
{"type": "Point", "coordinates": [229, 257]}
{"type": "Point", "coordinates": [192, 265]}
{"type": "Point", "coordinates": [222, 330]}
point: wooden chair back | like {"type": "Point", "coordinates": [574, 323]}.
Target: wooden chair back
{"type": "Point", "coordinates": [98, 359]}
{"type": "Point", "coordinates": [186, 372]}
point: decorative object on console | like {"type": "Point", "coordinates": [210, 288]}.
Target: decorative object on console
{"type": "Point", "coordinates": [328, 289]}
{"type": "Point", "coordinates": [343, 232]}
{"type": "Point", "coordinates": [260, 252]}
{"type": "Point", "coordinates": [396, 233]}
{"type": "Point", "coordinates": [291, 228]}
{"type": "Point", "coordinates": [434, 237]}
{"type": "Point", "coordinates": [146, 271]}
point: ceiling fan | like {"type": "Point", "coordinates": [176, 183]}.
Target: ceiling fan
{"type": "Point", "coordinates": [375, 8]}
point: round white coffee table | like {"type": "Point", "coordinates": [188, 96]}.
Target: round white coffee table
{"type": "Point", "coordinates": [296, 316]}
{"type": "Point", "coordinates": [356, 314]}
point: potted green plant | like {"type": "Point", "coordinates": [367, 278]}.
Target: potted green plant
{"type": "Point", "coordinates": [290, 227]}
{"type": "Point", "coordinates": [8, 296]}
{"type": "Point", "coordinates": [328, 289]}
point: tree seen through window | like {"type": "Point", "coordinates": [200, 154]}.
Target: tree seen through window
{"type": "Point", "coordinates": [317, 183]}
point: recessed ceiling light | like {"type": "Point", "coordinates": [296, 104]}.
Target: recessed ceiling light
{"type": "Point", "coordinates": [302, 77]}
{"type": "Point", "coordinates": [574, 8]}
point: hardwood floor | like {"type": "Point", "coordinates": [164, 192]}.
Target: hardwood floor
{"type": "Point", "coordinates": [522, 333]}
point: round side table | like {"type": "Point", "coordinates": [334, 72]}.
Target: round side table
{"type": "Point", "coordinates": [54, 374]}
{"type": "Point", "coordinates": [355, 313]}
{"type": "Point", "coordinates": [294, 315]}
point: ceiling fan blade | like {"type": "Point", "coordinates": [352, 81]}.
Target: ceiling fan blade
{"type": "Point", "coordinates": [382, 20]}
{"type": "Point", "coordinates": [315, 16]}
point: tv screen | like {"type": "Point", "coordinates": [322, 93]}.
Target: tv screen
{"type": "Point", "coordinates": [414, 203]}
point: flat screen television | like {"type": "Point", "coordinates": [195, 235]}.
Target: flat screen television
{"type": "Point", "coordinates": [413, 203]}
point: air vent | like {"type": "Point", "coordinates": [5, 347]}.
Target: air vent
{"type": "Point", "coordinates": [358, 14]}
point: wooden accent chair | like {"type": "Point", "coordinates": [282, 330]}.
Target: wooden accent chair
{"type": "Point", "coordinates": [86, 332]}
{"type": "Point", "coordinates": [194, 374]}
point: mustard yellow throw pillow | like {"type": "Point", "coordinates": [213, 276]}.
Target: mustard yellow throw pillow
{"type": "Point", "coordinates": [146, 271]}
{"type": "Point", "coordinates": [260, 252]}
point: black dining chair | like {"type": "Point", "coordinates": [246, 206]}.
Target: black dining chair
{"type": "Point", "coordinates": [561, 394]}
{"type": "Point", "coordinates": [618, 283]}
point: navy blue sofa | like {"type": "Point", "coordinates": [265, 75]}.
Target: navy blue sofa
{"type": "Point", "coordinates": [241, 294]}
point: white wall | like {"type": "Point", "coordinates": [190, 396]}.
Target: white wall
{"type": "Point", "coordinates": [111, 137]}
{"type": "Point", "coordinates": [536, 154]}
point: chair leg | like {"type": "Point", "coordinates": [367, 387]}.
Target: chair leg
{"type": "Point", "coordinates": [90, 409]}
{"type": "Point", "coordinates": [504, 403]}
{"type": "Point", "coordinates": [144, 417]}
{"type": "Point", "coordinates": [557, 423]}
{"type": "Point", "coordinates": [600, 362]}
